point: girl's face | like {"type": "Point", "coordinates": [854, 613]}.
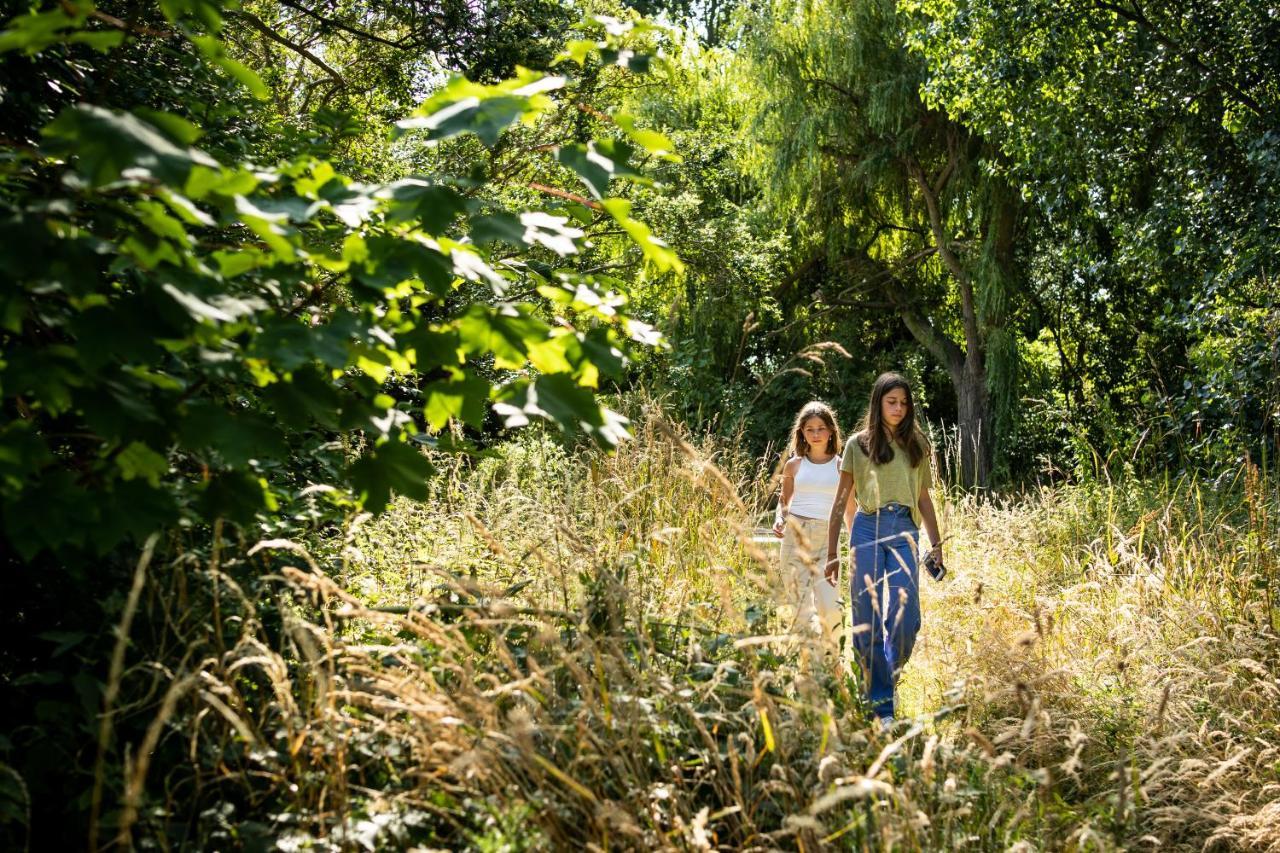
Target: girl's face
{"type": "Point", "coordinates": [817, 434]}
{"type": "Point", "coordinates": [894, 407]}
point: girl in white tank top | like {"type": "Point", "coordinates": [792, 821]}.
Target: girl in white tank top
{"type": "Point", "coordinates": [809, 481]}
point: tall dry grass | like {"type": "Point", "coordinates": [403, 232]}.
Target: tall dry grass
{"type": "Point", "coordinates": [1121, 643]}
{"type": "Point", "coordinates": [580, 652]}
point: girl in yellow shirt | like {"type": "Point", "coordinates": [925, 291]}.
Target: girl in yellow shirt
{"type": "Point", "coordinates": [886, 467]}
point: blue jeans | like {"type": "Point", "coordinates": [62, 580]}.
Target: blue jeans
{"type": "Point", "coordinates": [885, 598]}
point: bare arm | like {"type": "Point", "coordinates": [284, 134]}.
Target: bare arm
{"type": "Point", "coordinates": [845, 496]}
{"type": "Point", "coordinates": [930, 518]}
{"type": "Point", "coordinates": [788, 491]}
{"type": "Point", "coordinates": [850, 507]}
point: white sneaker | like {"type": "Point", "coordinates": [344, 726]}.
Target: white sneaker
{"type": "Point", "coordinates": [886, 724]}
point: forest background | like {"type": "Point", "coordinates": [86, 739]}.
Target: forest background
{"type": "Point", "coordinates": [322, 322]}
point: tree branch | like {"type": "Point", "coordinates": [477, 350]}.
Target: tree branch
{"type": "Point", "coordinates": [795, 275]}
{"type": "Point", "coordinates": [258, 24]}
{"type": "Point", "coordinates": [968, 311]}
{"type": "Point", "coordinates": [944, 176]}
{"type": "Point", "coordinates": [939, 345]}
{"type": "Point", "coordinates": [543, 188]}
{"type": "Point", "coordinates": [836, 87]}
{"type": "Point", "coordinates": [840, 154]}
{"type": "Point", "coordinates": [339, 25]}
{"type": "Point", "coordinates": [896, 292]}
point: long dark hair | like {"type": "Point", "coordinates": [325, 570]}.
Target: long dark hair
{"type": "Point", "coordinates": [871, 436]}
{"type": "Point", "coordinates": [815, 409]}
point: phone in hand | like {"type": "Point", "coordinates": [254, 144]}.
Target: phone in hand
{"type": "Point", "coordinates": [933, 565]}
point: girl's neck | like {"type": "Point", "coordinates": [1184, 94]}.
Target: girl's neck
{"type": "Point", "coordinates": [818, 457]}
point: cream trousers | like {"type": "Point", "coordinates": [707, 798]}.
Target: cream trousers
{"type": "Point", "coordinates": [813, 601]}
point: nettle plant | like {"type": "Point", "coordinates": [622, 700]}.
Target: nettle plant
{"type": "Point", "coordinates": [188, 340]}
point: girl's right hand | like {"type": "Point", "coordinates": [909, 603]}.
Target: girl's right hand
{"type": "Point", "coordinates": [778, 527]}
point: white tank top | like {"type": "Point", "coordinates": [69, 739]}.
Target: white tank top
{"type": "Point", "coordinates": [815, 488]}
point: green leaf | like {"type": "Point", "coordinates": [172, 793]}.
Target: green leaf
{"type": "Point", "coordinates": [433, 346]}
{"type": "Point", "coordinates": [108, 143]}
{"type": "Point", "coordinates": [600, 349]}
{"type": "Point", "coordinates": [598, 162]}
{"type": "Point", "coordinates": [391, 467]}
{"type": "Point", "coordinates": [185, 208]}
{"type": "Point", "coordinates": [175, 127]}
{"type": "Point", "coordinates": [560, 400]}
{"type": "Point", "coordinates": [642, 332]}
{"type": "Point", "coordinates": [463, 397]}
{"type": "Point", "coordinates": [294, 209]}
{"type": "Point", "coordinates": [468, 264]}
{"type": "Point", "coordinates": [120, 332]}
{"type": "Point", "coordinates": [163, 381]}
{"type": "Point", "coordinates": [215, 307]}
{"type": "Point", "coordinates": [35, 31]}
{"type": "Point", "coordinates": [236, 439]}
{"type": "Point", "coordinates": [655, 250]}
{"type": "Point", "coordinates": [64, 641]}
{"type": "Point", "coordinates": [391, 260]}
{"type": "Point", "coordinates": [286, 343]}
{"type": "Point", "coordinates": [270, 227]}
{"type": "Point", "coordinates": [505, 331]}
{"type": "Point", "coordinates": [52, 513]}
{"type": "Point", "coordinates": [611, 51]}
{"type": "Point", "coordinates": [486, 119]}
{"type": "Point", "coordinates": [155, 218]}
{"type": "Point", "coordinates": [131, 511]}
{"type": "Point", "coordinates": [303, 397]}
{"type": "Point", "coordinates": [228, 183]}
{"type": "Point", "coordinates": [580, 212]}
{"type": "Point", "coordinates": [23, 452]}
{"type": "Point", "coordinates": [650, 140]}
{"type": "Point", "coordinates": [100, 40]}
{"type": "Point", "coordinates": [237, 496]}
{"type": "Point", "coordinates": [433, 206]}
{"type": "Point", "coordinates": [232, 264]}
{"type": "Point", "coordinates": [461, 106]}
{"type": "Point", "coordinates": [577, 50]}
{"type": "Point", "coordinates": [636, 63]}
{"type": "Point", "coordinates": [246, 76]}
{"type": "Point", "coordinates": [529, 229]}
{"type": "Point", "coordinates": [139, 461]}
{"type": "Point", "coordinates": [207, 12]}
{"type": "Point", "coordinates": [47, 374]}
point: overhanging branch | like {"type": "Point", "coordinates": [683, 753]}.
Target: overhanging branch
{"type": "Point", "coordinates": [259, 25]}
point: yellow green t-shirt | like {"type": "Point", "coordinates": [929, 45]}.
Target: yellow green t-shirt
{"type": "Point", "coordinates": [893, 482]}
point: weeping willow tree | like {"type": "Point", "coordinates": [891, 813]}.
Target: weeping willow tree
{"type": "Point", "coordinates": [907, 208]}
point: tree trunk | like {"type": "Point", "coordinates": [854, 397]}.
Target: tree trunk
{"type": "Point", "coordinates": [974, 426]}
{"type": "Point", "coordinates": [971, 455]}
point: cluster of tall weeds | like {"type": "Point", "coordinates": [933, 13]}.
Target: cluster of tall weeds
{"type": "Point", "coordinates": [1121, 641]}
{"type": "Point", "coordinates": [582, 651]}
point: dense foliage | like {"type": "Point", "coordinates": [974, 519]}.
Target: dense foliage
{"type": "Point", "coordinates": [1097, 285]}
{"type": "Point", "coordinates": [241, 339]}
{"type": "Point", "coordinates": [1146, 137]}
{"type": "Point", "coordinates": [269, 264]}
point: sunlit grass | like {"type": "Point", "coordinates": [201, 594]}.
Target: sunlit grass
{"type": "Point", "coordinates": [578, 649]}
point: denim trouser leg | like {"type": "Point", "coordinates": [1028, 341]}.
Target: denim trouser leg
{"type": "Point", "coordinates": [885, 600]}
